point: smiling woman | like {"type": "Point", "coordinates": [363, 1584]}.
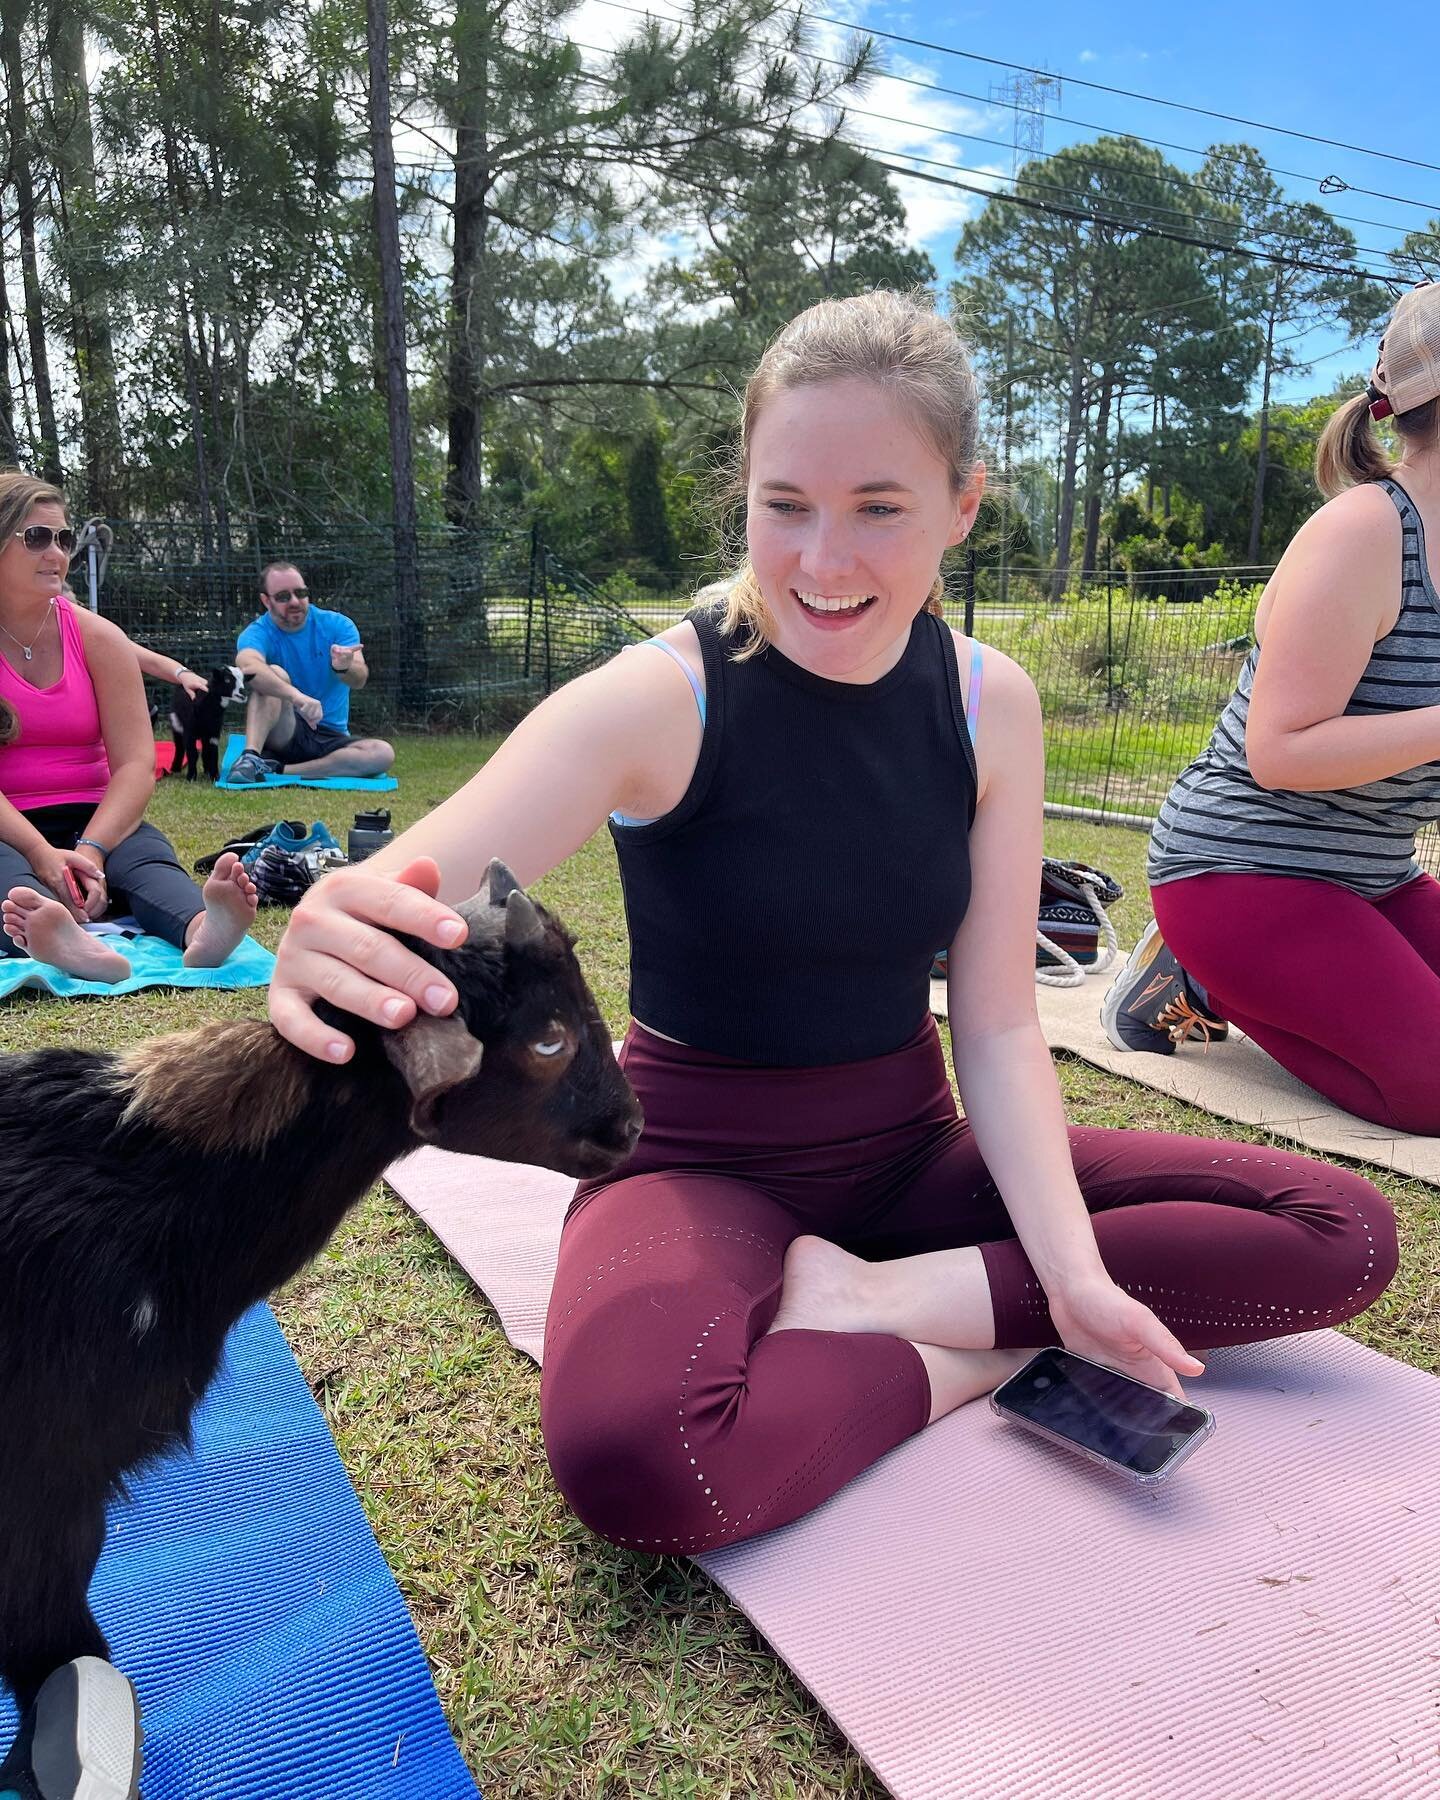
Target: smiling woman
{"type": "Point", "coordinates": [831, 401]}
{"type": "Point", "coordinates": [810, 1253]}
{"type": "Point", "coordinates": [77, 768]}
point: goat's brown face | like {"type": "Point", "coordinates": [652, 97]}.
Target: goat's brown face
{"type": "Point", "coordinates": [524, 1070]}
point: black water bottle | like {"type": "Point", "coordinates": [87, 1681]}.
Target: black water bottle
{"type": "Point", "coordinates": [370, 832]}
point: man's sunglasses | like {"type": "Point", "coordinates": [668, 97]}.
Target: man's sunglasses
{"type": "Point", "coordinates": [41, 537]}
{"type": "Point", "coordinates": [290, 594]}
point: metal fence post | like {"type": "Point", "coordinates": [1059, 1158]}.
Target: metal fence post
{"type": "Point", "coordinates": [545, 613]}
{"type": "Point", "coordinates": [535, 554]}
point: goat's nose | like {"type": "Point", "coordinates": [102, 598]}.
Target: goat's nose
{"type": "Point", "coordinates": [634, 1127]}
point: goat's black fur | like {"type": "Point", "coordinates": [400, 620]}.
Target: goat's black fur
{"type": "Point", "coordinates": [141, 1215]}
{"type": "Point", "coordinates": [196, 720]}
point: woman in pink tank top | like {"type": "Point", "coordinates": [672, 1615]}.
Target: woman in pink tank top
{"type": "Point", "coordinates": [77, 768]}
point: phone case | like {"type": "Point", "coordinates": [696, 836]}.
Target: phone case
{"type": "Point", "coordinates": [1166, 1468]}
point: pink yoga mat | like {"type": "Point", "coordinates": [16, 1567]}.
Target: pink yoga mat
{"type": "Point", "coordinates": [987, 1618]}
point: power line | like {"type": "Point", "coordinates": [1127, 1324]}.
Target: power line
{"type": "Point", "coordinates": [1355, 270]}
{"type": "Point", "coordinates": [1133, 228]}
{"type": "Point", "coordinates": [932, 87]}
{"type": "Point", "coordinates": [1126, 93]}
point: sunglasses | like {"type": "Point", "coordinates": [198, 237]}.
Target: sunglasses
{"type": "Point", "coordinates": [41, 537]}
{"type": "Point", "coordinates": [301, 593]}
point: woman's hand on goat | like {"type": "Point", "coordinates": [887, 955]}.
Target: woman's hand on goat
{"type": "Point", "coordinates": [340, 947]}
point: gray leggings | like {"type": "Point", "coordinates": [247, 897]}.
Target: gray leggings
{"type": "Point", "coordinates": [143, 876]}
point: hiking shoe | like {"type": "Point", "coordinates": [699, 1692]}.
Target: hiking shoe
{"type": "Point", "coordinates": [250, 768]}
{"type": "Point", "coordinates": [291, 836]}
{"type": "Point", "coordinates": [79, 1741]}
{"type": "Point", "coordinates": [1151, 1005]}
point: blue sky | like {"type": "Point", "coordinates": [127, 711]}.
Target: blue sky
{"type": "Point", "coordinates": [1368, 77]}
{"type": "Point", "coordinates": [1341, 72]}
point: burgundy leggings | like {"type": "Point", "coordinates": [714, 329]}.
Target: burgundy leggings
{"type": "Point", "coordinates": [672, 1421]}
{"type": "Point", "coordinates": [1343, 992]}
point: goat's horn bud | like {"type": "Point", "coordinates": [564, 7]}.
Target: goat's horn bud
{"type": "Point", "coordinates": [501, 882]}
{"type": "Point", "coordinates": [522, 922]}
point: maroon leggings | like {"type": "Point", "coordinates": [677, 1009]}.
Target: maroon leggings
{"type": "Point", "coordinates": [1343, 992]}
{"type": "Point", "coordinates": [672, 1421]}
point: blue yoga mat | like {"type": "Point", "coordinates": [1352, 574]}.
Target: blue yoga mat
{"type": "Point", "coordinates": [243, 1593]}
{"type": "Point", "coordinates": [153, 963]}
{"type": "Point", "coordinates": [235, 743]}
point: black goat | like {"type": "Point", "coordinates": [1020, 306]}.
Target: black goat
{"type": "Point", "coordinates": [196, 719]}
{"type": "Point", "coordinates": [151, 1197]}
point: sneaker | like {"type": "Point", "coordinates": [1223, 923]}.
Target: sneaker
{"type": "Point", "coordinates": [81, 1740]}
{"type": "Point", "coordinates": [250, 768]}
{"type": "Point", "coordinates": [1152, 1006]}
{"type": "Point", "coordinates": [291, 836]}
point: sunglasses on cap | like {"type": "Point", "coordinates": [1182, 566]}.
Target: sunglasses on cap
{"type": "Point", "coordinates": [300, 593]}
{"type": "Point", "coordinates": [41, 537]}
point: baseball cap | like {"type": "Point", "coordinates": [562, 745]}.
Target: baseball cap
{"type": "Point", "coordinates": [1407, 370]}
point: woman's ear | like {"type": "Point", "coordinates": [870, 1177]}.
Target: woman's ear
{"type": "Point", "coordinates": [967, 505]}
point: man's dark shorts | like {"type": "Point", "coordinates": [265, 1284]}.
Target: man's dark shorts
{"type": "Point", "coordinates": [310, 742]}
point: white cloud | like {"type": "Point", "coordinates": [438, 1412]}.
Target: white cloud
{"type": "Point", "coordinates": [912, 121]}
{"type": "Point", "coordinates": [1089, 56]}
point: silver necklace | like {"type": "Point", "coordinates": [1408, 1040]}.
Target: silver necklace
{"type": "Point", "coordinates": [28, 650]}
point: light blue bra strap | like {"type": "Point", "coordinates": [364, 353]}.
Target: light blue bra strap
{"type": "Point", "coordinates": [690, 675]}
{"type": "Point", "coordinates": [695, 688]}
{"type": "Point", "coordinates": [972, 694]}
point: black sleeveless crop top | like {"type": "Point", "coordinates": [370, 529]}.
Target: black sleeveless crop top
{"type": "Point", "coordinates": [786, 912]}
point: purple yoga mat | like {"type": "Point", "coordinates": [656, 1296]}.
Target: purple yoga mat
{"type": "Point", "coordinates": [988, 1618]}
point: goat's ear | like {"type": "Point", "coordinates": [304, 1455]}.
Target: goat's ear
{"type": "Point", "coordinates": [434, 1055]}
{"type": "Point", "coordinates": [522, 922]}
{"type": "Point", "coordinates": [500, 881]}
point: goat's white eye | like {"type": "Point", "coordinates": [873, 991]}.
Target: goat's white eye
{"type": "Point", "coordinates": [550, 1049]}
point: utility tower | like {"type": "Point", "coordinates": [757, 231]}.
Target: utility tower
{"type": "Point", "coordinates": [1031, 96]}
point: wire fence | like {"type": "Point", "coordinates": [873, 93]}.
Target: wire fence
{"type": "Point", "coordinates": [501, 619]}
{"type": "Point", "coordinates": [1132, 668]}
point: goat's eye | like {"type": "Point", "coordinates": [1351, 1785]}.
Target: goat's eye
{"type": "Point", "coordinates": [553, 1048]}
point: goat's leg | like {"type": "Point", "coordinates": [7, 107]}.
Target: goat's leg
{"type": "Point", "coordinates": [212, 759]}
{"type": "Point", "coordinates": [48, 1552]}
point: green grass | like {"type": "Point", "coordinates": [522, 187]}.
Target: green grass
{"type": "Point", "coordinates": [568, 1667]}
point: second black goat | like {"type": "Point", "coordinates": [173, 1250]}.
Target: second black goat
{"type": "Point", "coordinates": [196, 721]}
{"type": "Point", "coordinates": [151, 1197]}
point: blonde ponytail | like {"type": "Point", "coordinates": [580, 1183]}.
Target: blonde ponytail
{"type": "Point", "coordinates": [1349, 451]}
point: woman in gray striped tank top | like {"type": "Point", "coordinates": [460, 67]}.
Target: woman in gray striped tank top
{"type": "Point", "coordinates": [1287, 897]}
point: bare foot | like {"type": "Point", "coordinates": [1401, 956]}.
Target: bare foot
{"type": "Point", "coordinates": [230, 902]}
{"type": "Point", "coordinates": [957, 1376]}
{"type": "Point", "coordinates": [825, 1288]}
{"type": "Point", "coordinates": [42, 928]}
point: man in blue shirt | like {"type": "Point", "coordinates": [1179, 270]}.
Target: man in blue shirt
{"type": "Point", "coordinates": [300, 663]}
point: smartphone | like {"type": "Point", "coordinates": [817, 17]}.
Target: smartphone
{"type": "Point", "coordinates": [1110, 1418]}
{"type": "Point", "coordinates": [74, 886]}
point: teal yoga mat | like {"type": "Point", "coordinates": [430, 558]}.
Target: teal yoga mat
{"type": "Point", "coordinates": [359, 784]}
{"type": "Point", "coordinates": [243, 1593]}
{"type": "Point", "coordinates": [153, 963]}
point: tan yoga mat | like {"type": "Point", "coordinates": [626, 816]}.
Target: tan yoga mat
{"type": "Point", "coordinates": [988, 1618]}
{"type": "Point", "coordinates": [1234, 1079]}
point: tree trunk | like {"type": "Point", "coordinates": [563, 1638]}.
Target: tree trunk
{"type": "Point", "coordinates": [12, 17]}
{"type": "Point", "coordinates": [1095, 480]}
{"type": "Point", "coordinates": [467, 357]}
{"type": "Point", "coordinates": [9, 444]}
{"type": "Point", "coordinates": [94, 349]}
{"type": "Point", "coordinates": [190, 355]}
{"type": "Point", "coordinates": [409, 631]}
{"type": "Point", "coordinates": [1257, 509]}
{"type": "Point", "coordinates": [1065, 523]}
